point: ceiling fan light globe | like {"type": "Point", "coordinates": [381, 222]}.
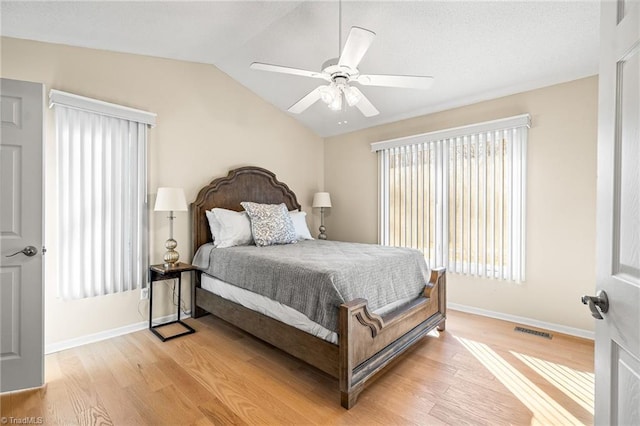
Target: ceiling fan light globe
{"type": "Point", "coordinates": [330, 94]}
{"type": "Point", "coordinates": [336, 104]}
{"type": "Point", "coordinates": [351, 95]}
{"type": "Point", "coordinates": [326, 94]}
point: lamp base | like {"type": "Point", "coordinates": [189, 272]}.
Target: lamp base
{"type": "Point", "coordinates": [171, 256]}
{"type": "Point", "coordinates": [322, 235]}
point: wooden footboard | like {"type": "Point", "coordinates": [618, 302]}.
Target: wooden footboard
{"type": "Point", "coordinates": [368, 342]}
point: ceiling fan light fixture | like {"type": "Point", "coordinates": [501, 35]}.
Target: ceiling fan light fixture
{"type": "Point", "coordinates": [351, 95]}
{"type": "Point", "coordinates": [326, 94]}
{"type": "Point", "coordinates": [336, 104]}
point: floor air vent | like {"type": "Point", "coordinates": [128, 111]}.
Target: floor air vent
{"type": "Point", "coordinates": [533, 332]}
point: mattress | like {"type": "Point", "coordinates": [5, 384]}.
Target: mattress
{"type": "Point", "coordinates": [316, 277]}
{"type": "Point", "coordinates": [277, 310]}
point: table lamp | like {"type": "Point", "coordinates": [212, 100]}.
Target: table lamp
{"type": "Point", "coordinates": [322, 200]}
{"type": "Point", "coordinates": [170, 200]}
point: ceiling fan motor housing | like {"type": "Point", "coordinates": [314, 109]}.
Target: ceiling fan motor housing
{"type": "Point", "coordinates": [335, 71]}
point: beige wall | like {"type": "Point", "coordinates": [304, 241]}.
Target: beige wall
{"type": "Point", "coordinates": [207, 124]}
{"type": "Point", "coordinates": [561, 199]}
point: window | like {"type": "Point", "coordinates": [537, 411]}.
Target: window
{"type": "Point", "coordinates": [459, 196]}
{"type": "Point", "coordinates": [102, 196]}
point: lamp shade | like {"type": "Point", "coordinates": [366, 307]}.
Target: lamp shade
{"type": "Point", "coordinates": [321, 199]}
{"type": "Point", "coordinates": [170, 199]}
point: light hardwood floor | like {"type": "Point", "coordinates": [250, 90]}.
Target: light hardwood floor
{"type": "Point", "coordinates": [479, 371]}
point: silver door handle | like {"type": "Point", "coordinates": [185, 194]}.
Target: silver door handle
{"type": "Point", "coordinates": [597, 304]}
{"type": "Point", "coordinates": [27, 251]}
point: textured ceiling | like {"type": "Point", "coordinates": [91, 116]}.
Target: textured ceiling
{"type": "Point", "coordinates": [476, 50]}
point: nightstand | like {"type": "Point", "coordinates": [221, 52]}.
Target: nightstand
{"type": "Point", "coordinates": [160, 273]}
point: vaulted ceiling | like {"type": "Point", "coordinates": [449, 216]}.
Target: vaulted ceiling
{"type": "Point", "coordinates": [475, 50]}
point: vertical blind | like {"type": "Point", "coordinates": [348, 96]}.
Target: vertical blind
{"type": "Point", "coordinates": [458, 195]}
{"type": "Point", "coordinates": [102, 196]}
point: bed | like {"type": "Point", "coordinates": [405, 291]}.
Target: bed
{"type": "Point", "coordinates": [366, 342]}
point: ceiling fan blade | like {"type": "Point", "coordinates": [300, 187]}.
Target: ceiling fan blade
{"type": "Point", "coordinates": [403, 81]}
{"type": "Point", "coordinates": [308, 100]}
{"type": "Point", "coordinates": [356, 46]}
{"type": "Point", "coordinates": [288, 70]}
{"type": "Point", "coordinates": [364, 105]}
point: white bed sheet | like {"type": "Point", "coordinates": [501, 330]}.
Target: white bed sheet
{"type": "Point", "coordinates": [277, 310]}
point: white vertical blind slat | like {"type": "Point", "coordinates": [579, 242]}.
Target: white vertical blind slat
{"type": "Point", "coordinates": [81, 193]}
{"type": "Point", "coordinates": [466, 204]}
{"type": "Point", "coordinates": [426, 205]}
{"type": "Point", "coordinates": [453, 195]}
{"type": "Point", "coordinates": [484, 204]}
{"type": "Point", "coordinates": [476, 218]}
{"type": "Point", "coordinates": [406, 195]}
{"type": "Point", "coordinates": [116, 212]}
{"type": "Point", "coordinates": [494, 210]}
{"type": "Point", "coordinates": [509, 219]}
{"type": "Point", "coordinates": [385, 197]}
{"type": "Point", "coordinates": [467, 231]}
{"type": "Point", "coordinates": [444, 219]}
{"type": "Point", "coordinates": [62, 135]}
{"type": "Point", "coordinates": [414, 189]}
{"type": "Point", "coordinates": [396, 199]}
{"type": "Point", "coordinates": [500, 211]}
{"type": "Point", "coordinates": [141, 205]}
{"type": "Point", "coordinates": [381, 194]}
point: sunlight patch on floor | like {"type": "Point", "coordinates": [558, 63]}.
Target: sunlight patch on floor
{"type": "Point", "coordinates": [577, 385]}
{"type": "Point", "coordinates": [545, 410]}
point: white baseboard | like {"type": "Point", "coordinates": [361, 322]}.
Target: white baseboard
{"type": "Point", "coordinates": [142, 325]}
{"type": "Point", "coordinates": [578, 332]}
{"type": "Point", "coordinates": [107, 334]}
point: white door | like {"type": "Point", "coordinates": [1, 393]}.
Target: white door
{"type": "Point", "coordinates": [21, 230]}
{"type": "Point", "coordinates": [617, 353]}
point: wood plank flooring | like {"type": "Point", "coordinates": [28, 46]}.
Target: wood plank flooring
{"type": "Point", "coordinates": [479, 371]}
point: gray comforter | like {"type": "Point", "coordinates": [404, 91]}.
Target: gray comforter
{"type": "Point", "coordinates": [315, 277]}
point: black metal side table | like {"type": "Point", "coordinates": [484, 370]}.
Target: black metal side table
{"type": "Point", "coordinates": [160, 273]}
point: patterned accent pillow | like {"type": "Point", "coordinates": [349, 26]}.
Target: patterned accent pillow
{"type": "Point", "coordinates": [270, 223]}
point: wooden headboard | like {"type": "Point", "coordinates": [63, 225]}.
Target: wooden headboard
{"type": "Point", "coordinates": [242, 184]}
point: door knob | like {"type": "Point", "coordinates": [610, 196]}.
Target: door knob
{"type": "Point", "coordinates": [597, 304]}
{"type": "Point", "coordinates": [27, 251]}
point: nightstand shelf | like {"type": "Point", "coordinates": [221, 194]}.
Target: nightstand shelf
{"type": "Point", "coordinates": [160, 273]}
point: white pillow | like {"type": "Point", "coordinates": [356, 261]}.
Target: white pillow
{"type": "Point", "coordinates": [234, 228]}
{"type": "Point", "coordinates": [214, 226]}
{"type": "Point", "coordinates": [300, 224]}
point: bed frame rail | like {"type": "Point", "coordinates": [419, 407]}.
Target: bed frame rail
{"type": "Point", "coordinates": [313, 350]}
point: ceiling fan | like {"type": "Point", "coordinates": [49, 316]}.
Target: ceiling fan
{"type": "Point", "coordinates": [343, 71]}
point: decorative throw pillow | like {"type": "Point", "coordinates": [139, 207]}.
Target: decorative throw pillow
{"type": "Point", "coordinates": [230, 228]}
{"type": "Point", "coordinates": [270, 223]}
{"type": "Point", "coordinates": [300, 224]}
